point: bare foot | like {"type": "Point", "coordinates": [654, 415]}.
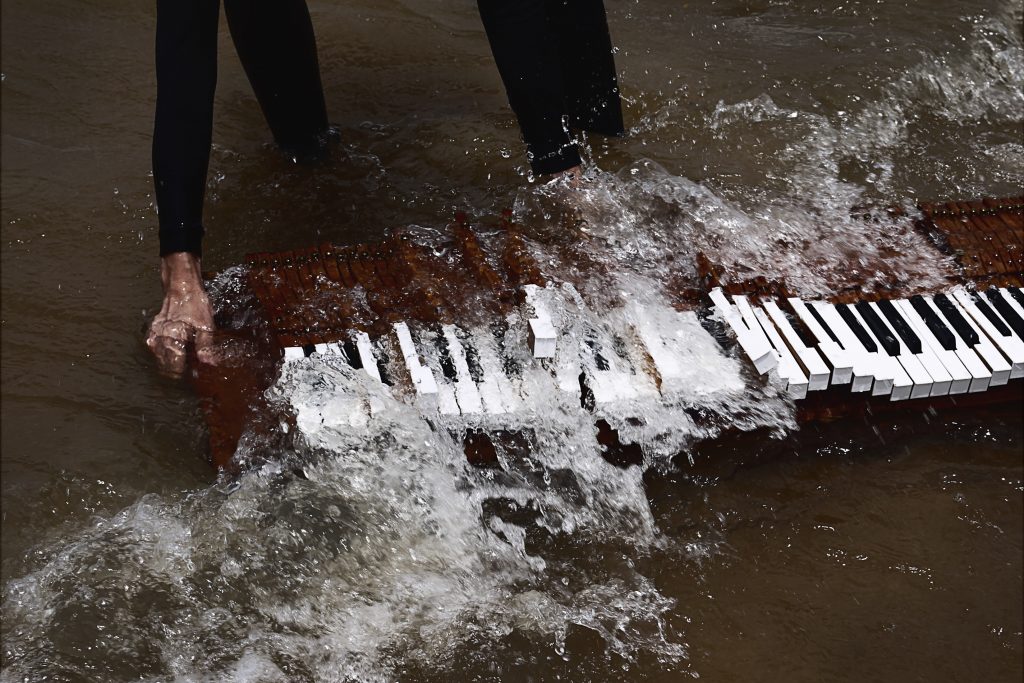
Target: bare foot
{"type": "Point", "coordinates": [185, 318]}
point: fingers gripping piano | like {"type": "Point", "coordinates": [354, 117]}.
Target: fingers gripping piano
{"type": "Point", "coordinates": [472, 329]}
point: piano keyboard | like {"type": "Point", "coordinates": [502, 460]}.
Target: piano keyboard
{"type": "Point", "coordinates": [944, 344]}
{"type": "Point", "coordinates": [470, 329]}
{"type": "Point", "coordinates": [453, 373]}
{"type": "Point", "coordinates": [957, 342]}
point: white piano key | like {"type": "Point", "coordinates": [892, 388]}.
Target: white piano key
{"type": "Point", "coordinates": [490, 399]}
{"type": "Point", "coordinates": [751, 340]}
{"type": "Point", "coordinates": [431, 344]}
{"type": "Point", "coordinates": [748, 317]}
{"type": "Point", "coordinates": [466, 393]}
{"type": "Point", "coordinates": [995, 360]}
{"type": "Point", "coordinates": [497, 394]}
{"type": "Point", "coordinates": [446, 402]}
{"type": "Point", "coordinates": [293, 353]}
{"type": "Point", "coordinates": [947, 372]}
{"type": "Point", "coordinates": [663, 346]}
{"type": "Point", "coordinates": [667, 362]}
{"type": "Point", "coordinates": [817, 372]}
{"type": "Point", "coordinates": [839, 358]}
{"type": "Point", "coordinates": [746, 311]}
{"type": "Point", "coordinates": [567, 373]}
{"type": "Point", "coordinates": [960, 377]}
{"type": "Point", "coordinates": [981, 375]}
{"type": "Point", "coordinates": [942, 380]}
{"type": "Point", "coordinates": [1010, 345]}
{"type": "Point", "coordinates": [542, 335]}
{"type": "Point", "coordinates": [342, 412]}
{"type": "Point", "coordinates": [422, 378]}
{"type": "Point", "coordinates": [612, 384]}
{"type": "Point", "coordinates": [869, 373]}
{"type": "Point", "coordinates": [922, 380]}
{"type": "Point", "coordinates": [365, 350]}
{"type": "Point", "coordinates": [901, 385]}
{"type": "Point", "coordinates": [494, 371]}
{"type": "Point", "coordinates": [789, 370]}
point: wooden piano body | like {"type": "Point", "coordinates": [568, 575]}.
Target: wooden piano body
{"type": "Point", "coordinates": [450, 324]}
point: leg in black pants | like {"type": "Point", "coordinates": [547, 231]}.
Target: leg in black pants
{"type": "Point", "coordinates": [275, 42]}
{"type": "Point", "coordinates": [555, 59]}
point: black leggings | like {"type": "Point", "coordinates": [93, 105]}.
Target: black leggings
{"type": "Point", "coordinates": [555, 59]}
{"type": "Point", "coordinates": [275, 42]}
{"type": "Point", "coordinates": [554, 56]}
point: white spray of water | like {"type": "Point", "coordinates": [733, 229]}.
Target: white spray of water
{"type": "Point", "coordinates": [391, 547]}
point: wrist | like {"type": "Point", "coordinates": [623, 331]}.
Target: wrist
{"type": "Point", "coordinates": [181, 271]}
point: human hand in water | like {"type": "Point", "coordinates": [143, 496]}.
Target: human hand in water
{"type": "Point", "coordinates": [185, 317]}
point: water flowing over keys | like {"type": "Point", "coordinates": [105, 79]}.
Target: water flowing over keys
{"type": "Point", "coordinates": [422, 378]}
{"type": "Point", "coordinates": [476, 335]}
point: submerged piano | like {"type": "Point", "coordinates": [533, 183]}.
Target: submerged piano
{"type": "Point", "coordinates": [471, 329]}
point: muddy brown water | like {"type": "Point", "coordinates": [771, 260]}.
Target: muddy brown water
{"type": "Point", "coordinates": [858, 550]}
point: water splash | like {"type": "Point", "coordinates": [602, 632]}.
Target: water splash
{"type": "Point", "coordinates": [654, 225]}
{"type": "Point", "coordinates": [388, 548]}
{"type": "Point", "coordinates": [371, 545]}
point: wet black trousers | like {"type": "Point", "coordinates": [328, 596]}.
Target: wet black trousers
{"type": "Point", "coordinates": [555, 59]}
{"type": "Point", "coordinates": [275, 42]}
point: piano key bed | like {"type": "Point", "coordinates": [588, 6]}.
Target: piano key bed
{"type": "Point", "coordinates": [470, 334]}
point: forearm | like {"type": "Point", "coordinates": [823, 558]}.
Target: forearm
{"type": "Point", "coordinates": [186, 67]}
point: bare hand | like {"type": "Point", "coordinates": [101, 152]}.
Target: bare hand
{"type": "Point", "coordinates": [186, 317]}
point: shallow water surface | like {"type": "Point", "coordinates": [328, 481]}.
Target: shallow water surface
{"type": "Point", "coordinates": [888, 549]}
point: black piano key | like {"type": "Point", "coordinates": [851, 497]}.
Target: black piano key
{"type": "Point", "coordinates": [804, 334]}
{"type": "Point", "coordinates": [509, 363]}
{"type": "Point", "coordinates": [942, 334]}
{"type": "Point", "coordinates": [881, 331]}
{"type": "Point", "coordinates": [1007, 311]}
{"type": "Point", "coordinates": [351, 353]}
{"type": "Point", "coordinates": [472, 357]}
{"type": "Point", "coordinates": [894, 317]}
{"type": "Point", "coordinates": [821, 321]}
{"type": "Point", "coordinates": [444, 357]}
{"type": "Point", "coordinates": [987, 311]}
{"type": "Point", "coordinates": [1016, 294]}
{"type": "Point", "coordinates": [858, 330]}
{"type": "Point", "coordinates": [380, 354]}
{"type": "Point", "coordinates": [952, 314]}
{"type": "Point", "coordinates": [599, 360]}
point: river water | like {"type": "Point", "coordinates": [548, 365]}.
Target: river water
{"type": "Point", "coordinates": [885, 550]}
